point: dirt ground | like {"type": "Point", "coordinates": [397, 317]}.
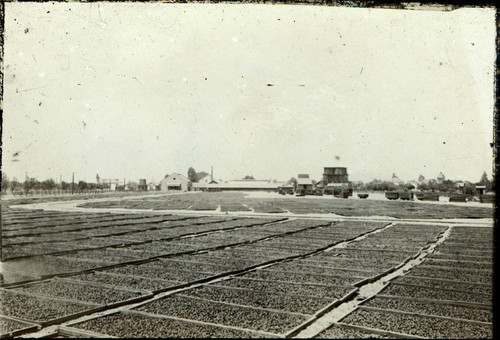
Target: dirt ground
{"type": "Point", "coordinates": [234, 265]}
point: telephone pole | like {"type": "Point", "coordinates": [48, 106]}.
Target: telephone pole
{"type": "Point", "coordinates": [73, 184]}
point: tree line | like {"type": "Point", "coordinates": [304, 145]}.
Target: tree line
{"type": "Point", "coordinates": [431, 185]}
{"type": "Point", "coordinates": [31, 185]}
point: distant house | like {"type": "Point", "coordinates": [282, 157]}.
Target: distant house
{"type": "Point", "coordinates": [440, 178]}
{"type": "Point", "coordinates": [175, 182]}
{"type": "Point", "coordinates": [205, 183]}
{"type": "Point", "coordinates": [205, 180]}
{"type": "Point", "coordinates": [152, 186]}
{"type": "Point", "coordinates": [304, 184]}
{"type": "Point", "coordinates": [209, 180]}
{"type": "Point", "coordinates": [320, 185]}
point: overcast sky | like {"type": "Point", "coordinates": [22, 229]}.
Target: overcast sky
{"type": "Point", "coordinates": [131, 90]}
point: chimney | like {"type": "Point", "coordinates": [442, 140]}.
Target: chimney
{"type": "Point", "coordinates": [212, 174]}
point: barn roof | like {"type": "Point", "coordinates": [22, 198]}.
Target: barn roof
{"type": "Point", "coordinates": [304, 181]}
{"type": "Point", "coordinates": [176, 175]}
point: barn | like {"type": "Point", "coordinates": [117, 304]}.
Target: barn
{"type": "Point", "coordinates": [175, 182]}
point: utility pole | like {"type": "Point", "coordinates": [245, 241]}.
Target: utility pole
{"type": "Point", "coordinates": [73, 184]}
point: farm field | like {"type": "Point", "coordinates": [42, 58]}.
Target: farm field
{"type": "Point", "coordinates": [237, 201]}
{"type": "Point", "coordinates": [84, 273]}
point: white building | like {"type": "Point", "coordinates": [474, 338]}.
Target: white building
{"type": "Point", "coordinates": [175, 182]}
{"type": "Point", "coordinates": [153, 186]}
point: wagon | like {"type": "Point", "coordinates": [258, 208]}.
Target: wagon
{"type": "Point", "coordinates": [458, 198]}
{"type": "Point", "coordinates": [405, 195]}
{"type": "Point", "coordinates": [392, 195]}
{"type": "Point", "coordinates": [487, 198]}
{"type": "Point", "coordinates": [430, 196]}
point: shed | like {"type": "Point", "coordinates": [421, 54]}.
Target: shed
{"type": "Point", "coordinates": [304, 185]}
{"type": "Point", "coordinates": [481, 189]}
{"type": "Point", "coordinates": [152, 186]}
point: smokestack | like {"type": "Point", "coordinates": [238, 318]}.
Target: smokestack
{"type": "Point", "coordinates": [212, 174]}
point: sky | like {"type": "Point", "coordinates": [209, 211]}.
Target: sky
{"type": "Point", "coordinates": [140, 90]}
